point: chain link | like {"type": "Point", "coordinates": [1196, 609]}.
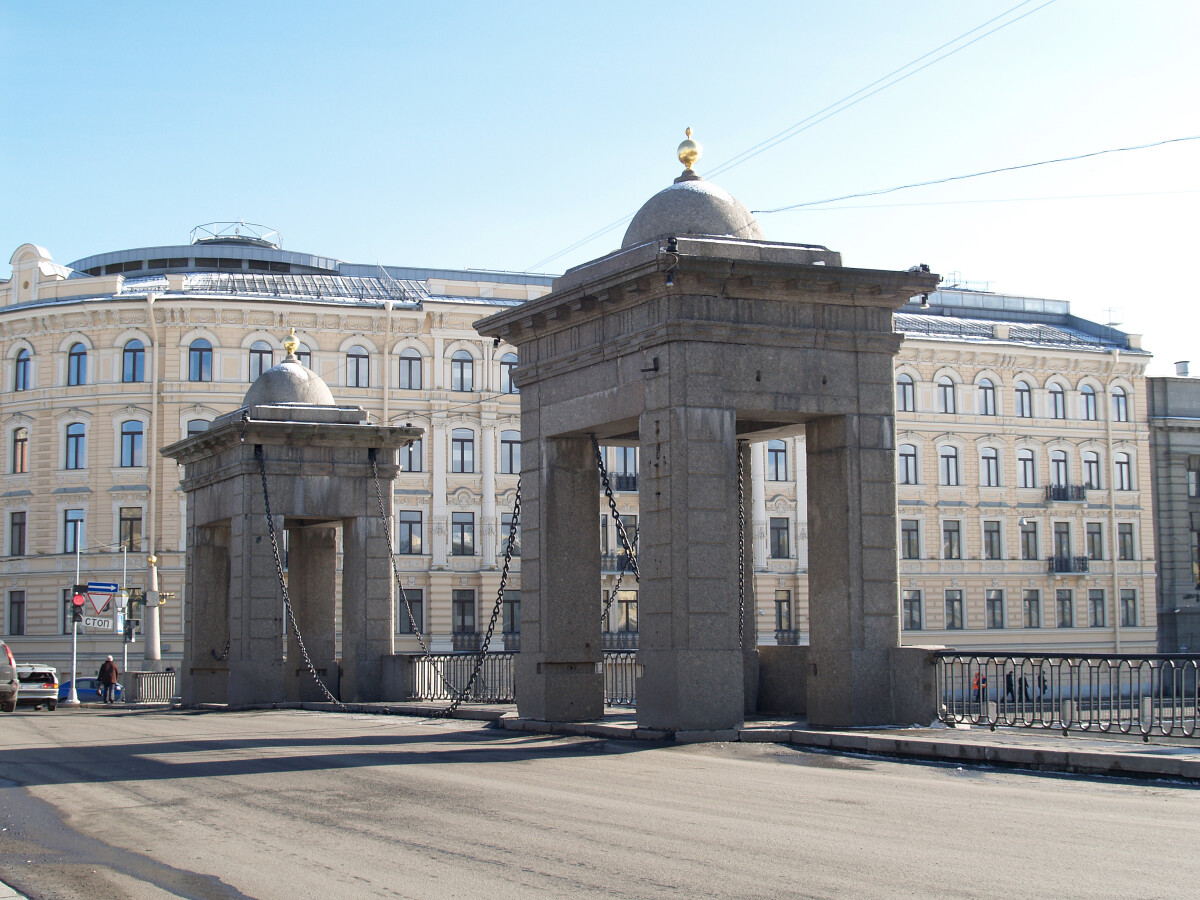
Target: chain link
{"type": "Point", "coordinates": [629, 560]}
{"type": "Point", "coordinates": [741, 448]}
{"type": "Point", "coordinates": [287, 601]}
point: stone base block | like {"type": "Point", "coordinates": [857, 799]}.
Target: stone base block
{"type": "Point", "coordinates": [397, 676]}
{"type": "Point", "coordinates": [783, 680]}
{"type": "Point", "coordinates": [256, 682]}
{"type": "Point", "coordinates": [205, 685]}
{"type": "Point", "coordinates": [690, 690]}
{"type": "Point", "coordinates": [559, 691]}
{"type": "Point", "coordinates": [859, 688]}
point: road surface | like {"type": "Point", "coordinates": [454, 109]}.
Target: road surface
{"type": "Point", "coordinates": [100, 803]}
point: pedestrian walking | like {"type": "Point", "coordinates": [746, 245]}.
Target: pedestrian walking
{"type": "Point", "coordinates": [1009, 692]}
{"type": "Point", "coordinates": [1024, 685]}
{"type": "Point", "coordinates": [107, 676]}
{"type": "Point", "coordinates": [1041, 684]}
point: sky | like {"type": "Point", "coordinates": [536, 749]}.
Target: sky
{"type": "Point", "coordinates": [500, 135]}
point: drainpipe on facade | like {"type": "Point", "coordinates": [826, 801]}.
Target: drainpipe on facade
{"type": "Point", "coordinates": [152, 649]}
{"type": "Point", "coordinates": [1112, 502]}
{"type": "Point", "coordinates": [387, 366]}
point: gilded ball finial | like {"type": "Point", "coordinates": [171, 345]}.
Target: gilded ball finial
{"type": "Point", "coordinates": [689, 151]}
{"type": "Point", "coordinates": [290, 344]}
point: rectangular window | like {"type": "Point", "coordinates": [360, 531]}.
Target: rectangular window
{"type": "Point", "coordinates": [462, 450]}
{"type": "Point", "coordinates": [1193, 477]}
{"type": "Point", "coordinates": [1095, 540]}
{"type": "Point", "coordinates": [994, 602]}
{"type": "Point", "coordinates": [1026, 474]}
{"type": "Point", "coordinates": [1125, 540]}
{"type": "Point", "coordinates": [989, 468]}
{"type": "Point", "coordinates": [410, 457]}
{"type": "Point", "coordinates": [416, 600]}
{"type": "Point", "coordinates": [1062, 540]}
{"type": "Point", "coordinates": [462, 534]}
{"type": "Point", "coordinates": [910, 539]}
{"type": "Point", "coordinates": [604, 534]}
{"type": "Point", "coordinates": [1031, 606]}
{"type": "Point", "coordinates": [72, 530]}
{"type": "Point", "coordinates": [16, 612]}
{"type": "Point", "coordinates": [907, 464]}
{"type": "Point", "coordinates": [511, 612]}
{"type": "Point", "coordinates": [16, 534]}
{"type": "Point", "coordinates": [951, 540]}
{"type": "Point", "coordinates": [954, 610]}
{"type": "Point", "coordinates": [627, 611]}
{"type": "Point", "coordinates": [911, 608]}
{"type": "Point", "coordinates": [506, 522]}
{"type": "Point", "coordinates": [410, 371]}
{"type": "Point", "coordinates": [948, 461]}
{"type": "Point", "coordinates": [510, 453]}
{"type": "Point", "coordinates": [1029, 540]}
{"type": "Point", "coordinates": [131, 528]}
{"type": "Point", "coordinates": [992, 545]}
{"type": "Point", "coordinates": [776, 461]}
{"type": "Point", "coordinates": [783, 610]}
{"type": "Point", "coordinates": [1128, 608]}
{"type": "Point", "coordinates": [408, 532]}
{"type": "Point", "coordinates": [779, 539]}
{"type": "Point", "coordinates": [463, 612]}
{"type": "Point", "coordinates": [1064, 603]}
{"type": "Point", "coordinates": [1095, 608]}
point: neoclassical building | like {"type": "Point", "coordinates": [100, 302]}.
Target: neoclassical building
{"type": "Point", "coordinates": [1022, 436]}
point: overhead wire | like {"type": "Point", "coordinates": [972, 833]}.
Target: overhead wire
{"type": "Point", "coordinates": [1001, 200]}
{"type": "Point", "coordinates": [1044, 162]}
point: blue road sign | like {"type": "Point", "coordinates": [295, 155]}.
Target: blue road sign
{"type": "Point", "coordinates": [102, 587]}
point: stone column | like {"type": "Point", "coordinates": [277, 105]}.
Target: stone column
{"type": "Point", "coordinates": [800, 470]}
{"type": "Point", "coordinates": [487, 468]}
{"type": "Point", "coordinates": [558, 677]}
{"type": "Point", "coordinates": [206, 668]}
{"type": "Point", "coordinates": [750, 609]}
{"type": "Point", "coordinates": [688, 606]}
{"type": "Point", "coordinates": [312, 583]}
{"type": "Point", "coordinates": [368, 605]}
{"type": "Point", "coordinates": [853, 598]}
{"type": "Point", "coordinates": [256, 673]}
{"type": "Point", "coordinates": [758, 524]}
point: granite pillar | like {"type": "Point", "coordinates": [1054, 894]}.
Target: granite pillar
{"type": "Point", "coordinates": [312, 583]}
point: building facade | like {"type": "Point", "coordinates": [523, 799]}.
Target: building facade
{"type": "Point", "coordinates": [1022, 435]}
{"type": "Point", "coordinates": [1175, 444]}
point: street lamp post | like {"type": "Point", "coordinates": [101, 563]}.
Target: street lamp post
{"type": "Point", "coordinates": [72, 694]}
{"type": "Point", "coordinates": [151, 648]}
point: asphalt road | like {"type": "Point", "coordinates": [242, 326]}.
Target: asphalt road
{"type": "Point", "coordinates": [103, 803]}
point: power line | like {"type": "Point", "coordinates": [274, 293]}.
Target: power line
{"type": "Point", "coordinates": [1044, 162]}
{"type": "Point", "coordinates": [808, 122]}
{"type": "Point", "coordinates": [1003, 200]}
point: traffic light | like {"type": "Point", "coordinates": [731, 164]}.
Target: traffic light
{"type": "Point", "coordinates": [131, 629]}
{"type": "Point", "coordinates": [78, 598]}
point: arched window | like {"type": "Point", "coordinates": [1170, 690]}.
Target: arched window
{"type": "Point", "coordinates": [304, 355]}
{"type": "Point", "coordinates": [358, 369]}
{"type": "Point", "coordinates": [200, 360]}
{"type": "Point", "coordinates": [411, 456]}
{"type": "Point", "coordinates": [76, 457]}
{"type": "Point", "coordinates": [946, 395]}
{"type": "Point", "coordinates": [948, 466]}
{"type": "Point", "coordinates": [20, 451]}
{"type": "Point", "coordinates": [1122, 472]}
{"type": "Point", "coordinates": [133, 362]}
{"type": "Point", "coordinates": [1119, 399]}
{"type": "Point", "coordinates": [1091, 470]}
{"type": "Point", "coordinates": [908, 464]}
{"type": "Point", "coordinates": [77, 365]}
{"type": "Point", "coordinates": [21, 371]}
{"type": "Point", "coordinates": [1023, 395]}
{"type": "Point", "coordinates": [196, 426]}
{"type": "Point", "coordinates": [131, 444]}
{"type": "Point", "coordinates": [1087, 402]}
{"type": "Point", "coordinates": [777, 467]}
{"type": "Point", "coordinates": [410, 371]}
{"type": "Point", "coordinates": [1026, 469]}
{"type": "Point", "coordinates": [1058, 467]}
{"type": "Point", "coordinates": [508, 365]}
{"type": "Point", "coordinates": [989, 467]}
{"type": "Point", "coordinates": [906, 397]}
{"type": "Point", "coordinates": [987, 397]}
{"type": "Point", "coordinates": [1058, 402]}
{"type": "Point", "coordinates": [462, 450]}
{"type": "Point", "coordinates": [510, 452]}
{"type": "Point", "coordinates": [260, 358]}
{"type": "Point", "coordinates": [462, 371]}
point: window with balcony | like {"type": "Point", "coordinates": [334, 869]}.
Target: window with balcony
{"type": "Point", "coordinates": [989, 467]}
{"type": "Point", "coordinates": [1096, 606]}
{"type": "Point", "coordinates": [987, 397]}
{"type": "Point", "coordinates": [993, 546]}
{"type": "Point", "coordinates": [76, 456]}
{"type": "Point", "coordinates": [945, 389]}
{"type": "Point", "coordinates": [410, 371]}
{"type": "Point", "coordinates": [783, 610]}
{"type": "Point", "coordinates": [200, 360]}
{"type": "Point", "coordinates": [905, 394]}
{"type": "Point", "coordinates": [462, 450]}
{"type": "Point", "coordinates": [508, 365]}
{"type": "Point", "coordinates": [1062, 541]}
{"type": "Point", "coordinates": [910, 539]}
{"type": "Point", "coordinates": [1120, 404]}
{"type": "Point", "coordinates": [780, 548]}
{"type": "Point", "coordinates": [133, 362]}
{"type": "Point", "coordinates": [993, 608]}
{"type": "Point", "coordinates": [913, 616]}
{"type": "Point", "coordinates": [358, 367]}
{"type": "Point", "coordinates": [409, 532]}
{"type": "Point", "coordinates": [951, 540]}
{"type": "Point", "coordinates": [416, 601]}
{"type": "Point", "coordinates": [777, 467]}
{"type": "Point", "coordinates": [462, 371]}
{"type": "Point", "coordinates": [1023, 399]}
{"type": "Point", "coordinates": [1058, 402]}
{"type": "Point", "coordinates": [1087, 402]}
{"type": "Point", "coordinates": [20, 451]}
{"type": "Point", "coordinates": [1058, 468]}
{"type": "Point", "coordinates": [21, 371]}
{"type": "Point", "coordinates": [908, 464]}
{"type": "Point", "coordinates": [954, 610]}
{"type": "Point", "coordinates": [510, 452]}
{"type": "Point", "coordinates": [1064, 606]}
{"type": "Point", "coordinates": [1031, 608]}
{"type": "Point", "coordinates": [132, 446]}
{"type": "Point", "coordinates": [77, 365]}
{"type": "Point", "coordinates": [623, 473]}
{"type": "Point", "coordinates": [462, 534]}
{"type": "Point", "coordinates": [260, 358]}
{"type": "Point", "coordinates": [948, 466]}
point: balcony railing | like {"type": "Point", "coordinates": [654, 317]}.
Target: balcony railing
{"type": "Point", "coordinates": [620, 640]}
{"type": "Point", "coordinates": [789, 637]}
{"type": "Point", "coordinates": [620, 481]}
{"type": "Point", "coordinates": [1065, 492]}
{"type": "Point", "coordinates": [1156, 694]}
{"type": "Point", "coordinates": [442, 676]}
{"type": "Point", "coordinates": [465, 640]}
{"type": "Point", "coordinates": [614, 562]}
{"type": "Point", "coordinates": [1067, 565]}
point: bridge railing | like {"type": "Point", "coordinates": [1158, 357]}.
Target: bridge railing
{"type": "Point", "coordinates": [436, 676]}
{"type": "Point", "coordinates": [1155, 694]}
{"type": "Point", "coordinates": [148, 687]}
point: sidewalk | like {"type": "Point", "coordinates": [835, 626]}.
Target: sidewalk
{"type": "Point", "coordinates": [1114, 755]}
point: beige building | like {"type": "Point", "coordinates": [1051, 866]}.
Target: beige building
{"type": "Point", "coordinates": [1022, 434]}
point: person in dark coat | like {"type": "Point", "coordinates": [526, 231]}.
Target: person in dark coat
{"type": "Point", "coordinates": [107, 676]}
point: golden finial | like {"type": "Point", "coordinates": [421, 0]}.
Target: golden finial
{"type": "Point", "coordinates": [689, 152]}
{"type": "Point", "coordinates": [290, 344]}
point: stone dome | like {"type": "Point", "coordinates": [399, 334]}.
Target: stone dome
{"type": "Point", "coordinates": [288, 382]}
{"type": "Point", "coordinates": [692, 206]}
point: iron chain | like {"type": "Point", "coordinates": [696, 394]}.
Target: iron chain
{"type": "Point", "coordinates": [741, 450]}
{"type": "Point", "coordinates": [630, 557]}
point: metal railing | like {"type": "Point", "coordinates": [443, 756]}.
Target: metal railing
{"type": "Point", "coordinates": [615, 562]}
{"type": "Point", "coordinates": [1068, 492]}
{"type": "Point", "coordinates": [1128, 694]}
{"type": "Point", "coordinates": [619, 640]}
{"type": "Point", "coordinates": [148, 687]}
{"type": "Point", "coordinates": [1057, 565]}
{"type": "Point", "coordinates": [434, 676]}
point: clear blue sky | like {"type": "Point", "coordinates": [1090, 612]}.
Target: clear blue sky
{"type": "Point", "coordinates": [494, 135]}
